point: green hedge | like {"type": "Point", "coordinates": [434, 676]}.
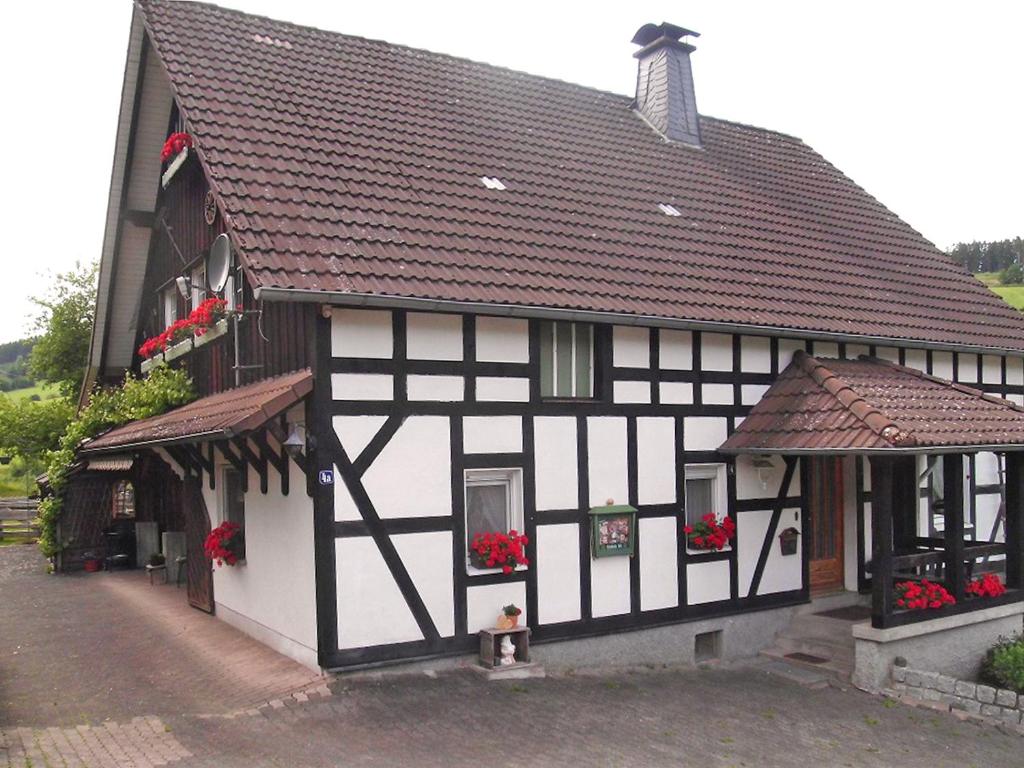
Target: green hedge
{"type": "Point", "coordinates": [1003, 666]}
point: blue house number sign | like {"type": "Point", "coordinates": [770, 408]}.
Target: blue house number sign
{"type": "Point", "coordinates": [326, 477]}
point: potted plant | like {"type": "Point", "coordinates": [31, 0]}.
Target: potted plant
{"type": "Point", "coordinates": [179, 339]}
{"type": "Point", "coordinates": [174, 154]}
{"type": "Point", "coordinates": [495, 549]}
{"type": "Point", "coordinates": [224, 544]}
{"type": "Point", "coordinates": [509, 617]}
{"type": "Point", "coordinates": [156, 560]}
{"type": "Point", "coordinates": [921, 596]}
{"type": "Point", "coordinates": [151, 353]}
{"type": "Point", "coordinates": [92, 562]}
{"type": "Point", "coordinates": [209, 320]}
{"type": "Point", "coordinates": [989, 585]}
{"type": "Point", "coordinates": [710, 534]}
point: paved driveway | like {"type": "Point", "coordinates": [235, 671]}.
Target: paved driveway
{"type": "Point", "coordinates": [121, 684]}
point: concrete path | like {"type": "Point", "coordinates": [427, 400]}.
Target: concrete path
{"type": "Point", "coordinates": [741, 716]}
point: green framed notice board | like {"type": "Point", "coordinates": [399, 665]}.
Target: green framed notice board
{"type": "Point", "coordinates": [612, 530]}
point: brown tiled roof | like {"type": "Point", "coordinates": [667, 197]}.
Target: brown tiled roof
{"type": "Point", "coordinates": [227, 414]}
{"type": "Point", "coordinates": [868, 405]}
{"type": "Point", "coordinates": [353, 166]}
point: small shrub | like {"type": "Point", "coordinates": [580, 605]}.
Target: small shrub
{"type": "Point", "coordinates": [157, 559]}
{"type": "Point", "coordinates": [1012, 275]}
{"type": "Point", "coordinates": [1003, 665]}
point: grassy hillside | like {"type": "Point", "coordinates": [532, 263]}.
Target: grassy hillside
{"type": "Point", "coordinates": [1011, 294]}
{"type": "Point", "coordinates": [40, 391]}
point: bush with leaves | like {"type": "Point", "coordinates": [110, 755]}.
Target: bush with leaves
{"type": "Point", "coordinates": [165, 388]}
{"type": "Point", "coordinates": [1003, 665]}
{"type": "Point", "coordinates": [1012, 275]}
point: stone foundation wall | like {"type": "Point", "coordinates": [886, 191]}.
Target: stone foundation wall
{"type": "Point", "coordinates": [960, 695]}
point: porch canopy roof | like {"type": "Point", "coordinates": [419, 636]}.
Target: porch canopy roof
{"type": "Point", "coordinates": [217, 417]}
{"type": "Point", "coordinates": [868, 406]}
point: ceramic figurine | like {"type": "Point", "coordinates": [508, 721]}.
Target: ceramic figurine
{"type": "Point", "coordinates": [508, 651]}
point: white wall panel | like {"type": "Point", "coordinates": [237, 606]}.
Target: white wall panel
{"type": "Point", "coordinates": [716, 351]}
{"type": "Point", "coordinates": [751, 394]}
{"type": "Point", "coordinates": [442, 389]}
{"type": "Point", "coordinates": [917, 359]}
{"type": "Point", "coordinates": [412, 475]}
{"type": "Point", "coordinates": [675, 350]}
{"type": "Point", "coordinates": [345, 508]}
{"type": "Point", "coordinates": [606, 459]}
{"type": "Point", "coordinates": [750, 530]}
{"type": "Point", "coordinates": [356, 432]}
{"type": "Point", "coordinates": [361, 333]}
{"type": "Point", "coordinates": [853, 351]}
{"type": "Point", "coordinates": [763, 483]}
{"type": "Point", "coordinates": [676, 393]}
{"type": "Point", "coordinates": [428, 559]}
{"type": "Point", "coordinates": [786, 349]}
{"type": "Point", "coordinates": [967, 368]}
{"type": "Point", "coordinates": [371, 608]}
{"type": "Point", "coordinates": [717, 394]}
{"type": "Point", "coordinates": [492, 434]}
{"type": "Point", "coordinates": [1014, 371]}
{"type": "Point", "coordinates": [887, 353]}
{"type": "Point", "coordinates": [554, 440]}
{"type": "Point", "coordinates": [362, 386]}
{"type": "Point", "coordinates": [502, 340]}
{"type": "Point", "coordinates": [986, 512]}
{"type": "Point", "coordinates": [656, 460]}
{"type": "Point", "coordinates": [502, 389]}
{"type": "Point", "coordinates": [707, 582]}
{"type": "Point", "coordinates": [782, 572]}
{"type": "Point", "coordinates": [659, 581]}
{"type": "Point", "coordinates": [631, 347]}
{"type": "Point", "coordinates": [828, 349]}
{"type": "Point", "coordinates": [558, 573]}
{"type": "Point", "coordinates": [704, 433]}
{"type": "Point", "coordinates": [942, 365]}
{"type": "Point", "coordinates": [433, 337]}
{"type": "Point", "coordinates": [992, 369]}
{"type": "Point", "coordinates": [756, 354]}
{"type": "Point", "coordinates": [484, 603]}
{"type": "Point", "coordinates": [632, 392]}
{"type": "Point", "coordinates": [609, 586]}
{"type": "Point", "coordinates": [986, 469]}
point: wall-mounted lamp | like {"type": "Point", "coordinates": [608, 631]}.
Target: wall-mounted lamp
{"type": "Point", "coordinates": [184, 286]}
{"type": "Point", "coordinates": [296, 442]}
{"type": "Point", "coordinates": [764, 468]}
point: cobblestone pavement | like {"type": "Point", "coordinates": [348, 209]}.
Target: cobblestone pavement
{"type": "Point", "coordinates": [738, 716]}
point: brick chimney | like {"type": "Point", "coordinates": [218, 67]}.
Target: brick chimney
{"type": "Point", "coordinates": [664, 82]}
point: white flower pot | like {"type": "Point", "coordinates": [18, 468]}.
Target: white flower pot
{"type": "Point", "coordinates": [172, 169]}
{"type": "Point", "coordinates": [212, 333]}
{"type": "Point", "coordinates": [179, 349]}
{"type": "Point", "coordinates": [152, 362]}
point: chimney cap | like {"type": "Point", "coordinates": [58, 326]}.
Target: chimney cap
{"type": "Point", "coordinates": [650, 33]}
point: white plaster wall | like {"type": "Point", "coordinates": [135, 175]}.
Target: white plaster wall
{"type": "Point", "coordinates": [991, 369]}
{"type": "Point", "coordinates": [442, 389]}
{"type": "Point", "coordinates": [631, 347]}
{"type": "Point", "coordinates": [428, 559]}
{"type": "Point", "coordinates": [484, 603]}
{"type": "Point", "coordinates": [362, 386]}
{"type": "Point", "coordinates": [631, 392]}
{"type": "Point", "coordinates": [782, 573]}
{"type": "Point", "coordinates": [659, 550]}
{"type": "Point", "coordinates": [986, 468]}
{"type": "Point", "coordinates": [555, 462]}
{"type": "Point", "coordinates": [356, 432]}
{"type": "Point", "coordinates": [716, 351]}
{"type": "Point", "coordinates": [967, 368]}
{"type": "Point", "coordinates": [275, 587]}
{"type": "Point", "coordinates": [986, 512]}
{"type": "Point", "coordinates": [412, 475]}
{"type": "Point", "coordinates": [656, 460]}
{"type": "Point", "coordinates": [503, 389]}
{"type": "Point", "coordinates": [558, 573]}
{"type": "Point", "coordinates": [748, 480]}
{"type": "Point", "coordinates": [361, 333]}
{"type": "Point", "coordinates": [916, 358]}
{"type": "Point", "coordinates": [828, 349]}
{"type": "Point", "coordinates": [609, 586]}
{"type": "Point", "coordinates": [371, 608]}
{"type": "Point", "coordinates": [751, 394]}
{"type": "Point", "coordinates": [853, 351]}
{"type": "Point", "coordinates": [887, 353]}
{"type": "Point", "coordinates": [676, 393]}
{"type": "Point", "coordinates": [942, 365]}
{"type": "Point", "coordinates": [1014, 370]}
{"type": "Point", "coordinates": [704, 433]}
{"type": "Point", "coordinates": [433, 337]}
{"type": "Point", "coordinates": [756, 354]}
{"type": "Point", "coordinates": [786, 349]}
{"type": "Point", "coordinates": [502, 340]}
{"type": "Point", "coordinates": [717, 394]}
{"type": "Point", "coordinates": [675, 350]}
{"type": "Point", "coordinates": [707, 582]}
{"type": "Point", "coordinates": [606, 459]}
{"type": "Point", "coordinates": [492, 434]}
{"type": "Point", "coordinates": [345, 509]}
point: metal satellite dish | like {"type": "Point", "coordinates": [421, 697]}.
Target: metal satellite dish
{"type": "Point", "coordinates": [218, 263]}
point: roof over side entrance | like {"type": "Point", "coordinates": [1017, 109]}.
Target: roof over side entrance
{"type": "Point", "coordinates": [869, 405]}
{"type": "Point", "coordinates": [224, 415]}
{"type": "Point", "coordinates": [354, 170]}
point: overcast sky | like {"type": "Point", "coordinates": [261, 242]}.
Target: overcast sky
{"type": "Point", "coordinates": [919, 102]}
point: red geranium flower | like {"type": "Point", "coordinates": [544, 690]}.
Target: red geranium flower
{"type": "Point", "coordinates": [710, 533]}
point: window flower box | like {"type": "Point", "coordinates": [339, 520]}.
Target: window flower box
{"type": "Point", "coordinates": [710, 534]}
{"type": "Point", "coordinates": [177, 350]}
{"type": "Point", "coordinates": [173, 167]}
{"type": "Point", "coordinates": [152, 362]}
{"type": "Point", "coordinates": [215, 331]}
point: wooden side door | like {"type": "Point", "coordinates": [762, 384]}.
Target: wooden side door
{"type": "Point", "coordinates": [825, 511]}
{"type": "Point", "coordinates": [198, 569]}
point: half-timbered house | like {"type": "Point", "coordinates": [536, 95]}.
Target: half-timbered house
{"type": "Point", "coordinates": [471, 299]}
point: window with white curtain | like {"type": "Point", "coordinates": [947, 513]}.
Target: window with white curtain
{"type": "Point", "coordinates": [494, 502]}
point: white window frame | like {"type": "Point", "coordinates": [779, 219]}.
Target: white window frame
{"type": "Point", "coordinates": [512, 478]}
{"type": "Point", "coordinates": [199, 290]}
{"type": "Point", "coordinates": [552, 324]}
{"type": "Point", "coordinates": [222, 499]}
{"type": "Point", "coordinates": [715, 472]}
{"type": "Point", "coordinates": [169, 302]}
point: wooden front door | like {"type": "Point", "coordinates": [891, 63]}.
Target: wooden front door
{"type": "Point", "coordinates": [825, 513]}
{"type": "Point", "coordinates": [198, 569]}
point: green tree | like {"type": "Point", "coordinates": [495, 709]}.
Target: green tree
{"type": "Point", "coordinates": [65, 326]}
{"type": "Point", "coordinates": [1012, 275]}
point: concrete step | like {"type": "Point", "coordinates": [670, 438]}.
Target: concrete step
{"type": "Point", "coordinates": [822, 628]}
{"type": "Point", "coordinates": [840, 670]}
{"type": "Point", "coordinates": [837, 600]}
{"type": "Point", "coordinates": [831, 651]}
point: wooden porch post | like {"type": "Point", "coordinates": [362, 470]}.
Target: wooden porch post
{"type": "Point", "coordinates": [1014, 519]}
{"type": "Point", "coordinates": [953, 507]}
{"type": "Point", "coordinates": [881, 539]}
